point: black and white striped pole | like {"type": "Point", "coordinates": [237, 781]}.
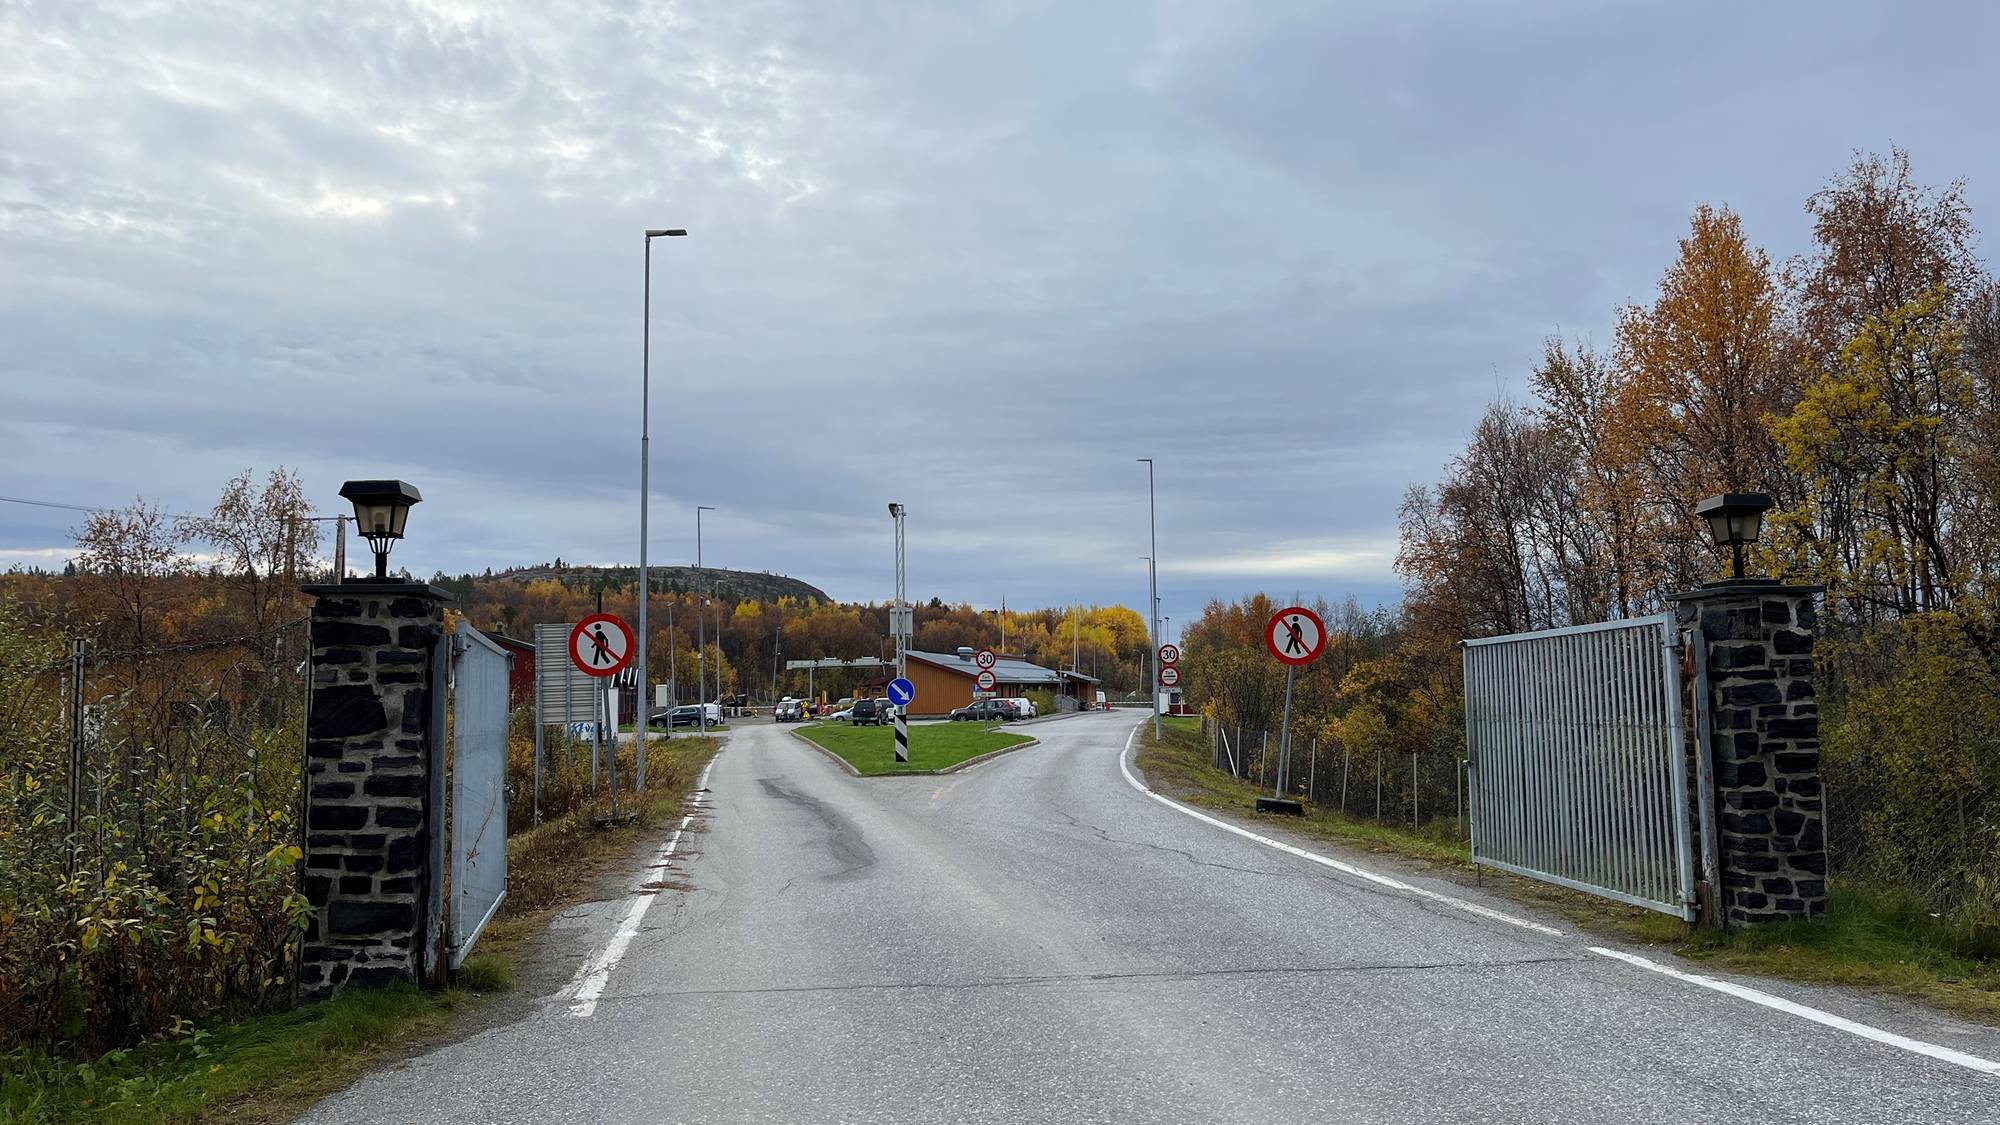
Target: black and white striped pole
{"type": "Point", "coordinates": [902, 693]}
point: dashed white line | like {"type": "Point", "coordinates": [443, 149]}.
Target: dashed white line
{"type": "Point", "coordinates": [1327, 861]}
{"type": "Point", "coordinates": [596, 973]}
{"type": "Point", "coordinates": [1792, 1007]}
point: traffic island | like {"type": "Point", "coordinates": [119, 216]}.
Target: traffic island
{"type": "Point", "coordinates": [934, 748]}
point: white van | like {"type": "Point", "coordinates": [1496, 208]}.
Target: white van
{"type": "Point", "coordinates": [1024, 708]}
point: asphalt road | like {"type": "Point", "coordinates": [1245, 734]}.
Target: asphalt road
{"type": "Point", "coordinates": [1036, 940]}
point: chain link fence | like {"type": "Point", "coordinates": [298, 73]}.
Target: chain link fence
{"type": "Point", "coordinates": [1422, 792]}
{"type": "Point", "coordinates": [150, 832]}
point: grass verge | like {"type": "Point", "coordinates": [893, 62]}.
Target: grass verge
{"type": "Point", "coordinates": [1872, 937]}
{"type": "Point", "coordinates": [270, 1068]}
{"type": "Point", "coordinates": [933, 746]}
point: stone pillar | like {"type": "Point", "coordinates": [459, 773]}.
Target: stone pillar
{"type": "Point", "coordinates": [368, 784]}
{"type": "Point", "coordinates": [1764, 731]}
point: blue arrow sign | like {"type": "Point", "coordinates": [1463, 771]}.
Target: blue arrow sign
{"type": "Point", "coordinates": [902, 692]}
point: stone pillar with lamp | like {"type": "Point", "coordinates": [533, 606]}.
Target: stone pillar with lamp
{"type": "Point", "coordinates": [1755, 638]}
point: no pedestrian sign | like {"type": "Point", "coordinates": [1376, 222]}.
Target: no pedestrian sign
{"type": "Point", "coordinates": [600, 645]}
{"type": "Point", "coordinates": [1295, 636]}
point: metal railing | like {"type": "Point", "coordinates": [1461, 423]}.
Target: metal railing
{"type": "Point", "coordinates": [1578, 752]}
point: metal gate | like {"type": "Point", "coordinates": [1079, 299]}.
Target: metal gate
{"type": "Point", "coordinates": [478, 786]}
{"type": "Point", "coordinates": [1579, 761]}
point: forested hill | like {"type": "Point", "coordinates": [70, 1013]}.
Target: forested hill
{"type": "Point", "coordinates": [733, 585]}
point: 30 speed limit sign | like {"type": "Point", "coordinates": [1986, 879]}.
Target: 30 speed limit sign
{"type": "Point", "coordinates": [1170, 654]}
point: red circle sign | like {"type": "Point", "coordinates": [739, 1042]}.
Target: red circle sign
{"type": "Point", "coordinates": [986, 659]}
{"type": "Point", "coordinates": [601, 645]}
{"type": "Point", "coordinates": [1170, 676]}
{"type": "Point", "coordinates": [1295, 635]}
{"type": "Point", "coordinates": [1170, 654]}
{"type": "Point", "coordinates": [985, 680]}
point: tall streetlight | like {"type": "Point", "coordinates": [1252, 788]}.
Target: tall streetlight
{"type": "Point", "coordinates": [1153, 597]}
{"type": "Point", "coordinates": [899, 615]}
{"type": "Point", "coordinates": [701, 626]}
{"type": "Point", "coordinates": [645, 714]}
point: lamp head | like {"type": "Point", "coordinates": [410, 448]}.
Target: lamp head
{"type": "Point", "coordinates": [381, 509]}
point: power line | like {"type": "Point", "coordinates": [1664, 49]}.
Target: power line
{"type": "Point", "coordinates": [175, 515]}
{"type": "Point", "coordinates": [50, 504]}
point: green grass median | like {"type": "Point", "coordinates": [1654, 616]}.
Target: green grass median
{"type": "Point", "coordinates": [933, 746]}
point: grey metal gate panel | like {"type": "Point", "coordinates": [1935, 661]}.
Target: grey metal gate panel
{"type": "Point", "coordinates": [564, 693]}
{"type": "Point", "coordinates": [1578, 758]}
{"type": "Point", "coordinates": [478, 786]}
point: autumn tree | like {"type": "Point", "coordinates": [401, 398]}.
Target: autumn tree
{"type": "Point", "coordinates": [265, 541]}
{"type": "Point", "coordinates": [1700, 369]}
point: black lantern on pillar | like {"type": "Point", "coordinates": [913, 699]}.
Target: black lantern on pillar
{"type": "Point", "coordinates": [1736, 519]}
{"type": "Point", "coordinates": [380, 509]}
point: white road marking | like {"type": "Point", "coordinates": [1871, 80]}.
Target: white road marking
{"type": "Point", "coordinates": [596, 973]}
{"type": "Point", "coordinates": [1741, 992]}
{"type": "Point", "coordinates": [1327, 861]}
{"type": "Point", "coordinates": [1791, 1007]}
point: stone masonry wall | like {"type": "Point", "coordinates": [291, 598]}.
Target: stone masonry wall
{"type": "Point", "coordinates": [368, 784]}
{"type": "Point", "coordinates": [1765, 734]}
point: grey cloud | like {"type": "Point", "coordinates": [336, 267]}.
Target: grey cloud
{"type": "Point", "coordinates": [973, 258]}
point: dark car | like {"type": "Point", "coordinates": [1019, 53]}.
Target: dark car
{"type": "Point", "coordinates": [868, 712]}
{"type": "Point", "coordinates": [984, 711]}
{"type": "Point", "coordinates": [686, 715]}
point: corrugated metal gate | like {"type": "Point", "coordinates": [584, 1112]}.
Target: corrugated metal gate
{"type": "Point", "coordinates": [478, 787]}
{"type": "Point", "coordinates": [1579, 760]}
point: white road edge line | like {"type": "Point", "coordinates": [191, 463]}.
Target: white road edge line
{"type": "Point", "coordinates": [1790, 1007]}
{"type": "Point", "coordinates": [591, 980]}
{"type": "Point", "coordinates": [1326, 861]}
{"type": "Point", "coordinates": [1727, 988]}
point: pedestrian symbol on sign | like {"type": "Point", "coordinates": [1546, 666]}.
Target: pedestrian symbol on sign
{"type": "Point", "coordinates": [1295, 645]}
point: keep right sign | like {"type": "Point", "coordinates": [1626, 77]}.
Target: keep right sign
{"type": "Point", "coordinates": [1295, 636]}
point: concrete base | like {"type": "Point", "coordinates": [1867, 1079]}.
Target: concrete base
{"type": "Point", "coordinates": [1284, 805]}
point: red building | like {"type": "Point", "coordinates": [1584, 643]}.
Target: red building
{"type": "Point", "coordinates": [520, 667]}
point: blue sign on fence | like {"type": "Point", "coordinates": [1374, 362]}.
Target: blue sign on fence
{"type": "Point", "coordinates": [902, 692]}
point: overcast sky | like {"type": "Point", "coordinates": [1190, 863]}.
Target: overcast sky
{"type": "Point", "coordinates": [975, 258]}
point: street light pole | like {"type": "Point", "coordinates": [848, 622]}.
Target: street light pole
{"type": "Point", "coordinates": [644, 716]}
{"type": "Point", "coordinates": [701, 627]}
{"type": "Point", "coordinates": [1153, 597]}
{"type": "Point", "coordinates": [900, 614]}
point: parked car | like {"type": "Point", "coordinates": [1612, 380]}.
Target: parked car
{"type": "Point", "coordinates": [984, 711]}
{"type": "Point", "coordinates": [840, 716]}
{"type": "Point", "coordinates": [687, 715]}
{"type": "Point", "coordinates": [868, 712]}
{"type": "Point", "coordinates": [1023, 707]}
{"type": "Point", "coordinates": [788, 710]}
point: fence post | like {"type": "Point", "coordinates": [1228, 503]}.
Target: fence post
{"type": "Point", "coordinates": [1764, 730]}
{"type": "Point", "coordinates": [1312, 772]}
{"type": "Point", "coordinates": [369, 760]}
{"type": "Point", "coordinates": [1378, 786]}
{"type": "Point", "coordinates": [1415, 820]}
{"type": "Point", "coordinates": [1346, 760]}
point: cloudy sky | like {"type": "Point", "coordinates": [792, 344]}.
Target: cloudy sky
{"type": "Point", "coordinates": [975, 258]}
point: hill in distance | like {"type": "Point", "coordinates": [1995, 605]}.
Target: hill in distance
{"type": "Point", "coordinates": [737, 584]}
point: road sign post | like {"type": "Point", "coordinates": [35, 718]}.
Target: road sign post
{"type": "Point", "coordinates": [1296, 636]}
{"type": "Point", "coordinates": [602, 645]}
{"type": "Point", "coordinates": [902, 693]}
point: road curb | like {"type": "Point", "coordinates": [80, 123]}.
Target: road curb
{"type": "Point", "coordinates": [967, 764]}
